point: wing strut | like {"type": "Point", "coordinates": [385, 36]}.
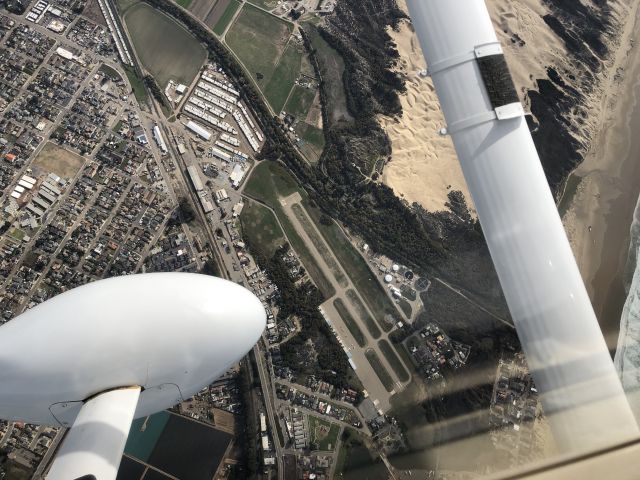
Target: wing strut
{"type": "Point", "coordinates": [94, 445]}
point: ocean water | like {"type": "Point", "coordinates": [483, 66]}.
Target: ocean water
{"type": "Point", "coordinates": [627, 358]}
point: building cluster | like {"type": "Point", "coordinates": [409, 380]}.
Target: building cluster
{"type": "Point", "coordinates": [172, 253]}
{"type": "Point", "coordinates": [54, 15]}
{"type": "Point", "coordinates": [312, 402]}
{"type": "Point", "coordinates": [26, 444]}
{"type": "Point", "coordinates": [215, 102]}
{"type": "Point", "coordinates": [224, 394]}
{"type": "Point", "coordinates": [432, 350]}
{"type": "Point", "coordinates": [314, 467]}
{"type": "Point", "coordinates": [515, 410]}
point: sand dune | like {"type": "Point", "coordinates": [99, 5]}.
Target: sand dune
{"type": "Point", "coordinates": [424, 167]}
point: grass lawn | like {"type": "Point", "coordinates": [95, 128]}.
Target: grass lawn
{"type": "Point", "coordinates": [405, 306]}
{"type": "Point", "coordinates": [284, 77]}
{"type": "Point", "coordinates": [390, 354]}
{"type": "Point", "coordinates": [259, 40]}
{"type": "Point", "coordinates": [350, 322]}
{"type": "Point", "coordinates": [226, 17]}
{"type": "Point", "coordinates": [323, 434]}
{"type": "Point", "coordinates": [371, 324]}
{"type": "Point", "coordinates": [319, 245]}
{"type": "Point", "coordinates": [165, 48]}
{"type": "Point", "coordinates": [260, 228]}
{"type": "Point", "coordinates": [267, 183]}
{"type": "Point", "coordinates": [378, 367]}
{"type": "Point", "coordinates": [137, 85]}
{"type": "Point", "coordinates": [300, 101]}
{"type": "Point", "coordinates": [110, 72]}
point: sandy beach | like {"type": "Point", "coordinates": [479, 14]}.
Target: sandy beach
{"type": "Point", "coordinates": [603, 192]}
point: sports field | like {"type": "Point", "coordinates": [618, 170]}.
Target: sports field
{"type": "Point", "coordinates": [55, 159]}
{"type": "Point", "coordinates": [166, 50]}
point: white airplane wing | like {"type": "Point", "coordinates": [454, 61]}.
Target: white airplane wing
{"type": "Point", "coordinates": [92, 449]}
{"type": "Point", "coordinates": [556, 324]}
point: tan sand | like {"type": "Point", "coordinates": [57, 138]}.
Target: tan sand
{"type": "Point", "coordinates": [424, 167]}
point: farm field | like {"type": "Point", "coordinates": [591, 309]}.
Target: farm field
{"type": "Point", "coordinates": [311, 141]}
{"type": "Point", "coordinates": [166, 50]}
{"type": "Point", "coordinates": [266, 4]}
{"type": "Point", "coordinates": [268, 183]}
{"type": "Point", "coordinates": [264, 45]}
{"type": "Point", "coordinates": [55, 159]}
{"type": "Point", "coordinates": [284, 76]}
{"type": "Point", "coordinates": [220, 18]}
{"type": "Point", "coordinates": [350, 322]}
{"type": "Point", "coordinates": [260, 228]}
{"type": "Point", "coordinates": [378, 367]}
{"type": "Point", "coordinates": [300, 101]}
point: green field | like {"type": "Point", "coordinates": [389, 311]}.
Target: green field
{"type": "Point", "coordinates": [371, 324]}
{"type": "Point", "coordinates": [183, 3]}
{"type": "Point", "coordinates": [123, 5]}
{"type": "Point", "coordinates": [350, 322]}
{"type": "Point", "coordinates": [390, 354]}
{"type": "Point", "coordinates": [323, 434]}
{"type": "Point", "coordinates": [332, 70]}
{"type": "Point", "coordinates": [137, 85]}
{"type": "Point", "coordinates": [311, 141]}
{"type": "Point", "coordinates": [259, 40]}
{"type": "Point", "coordinates": [260, 228]}
{"type": "Point", "coordinates": [284, 77]}
{"type": "Point", "coordinates": [320, 246]}
{"type": "Point", "coordinates": [378, 367]}
{"type": "Point", "coordinates": [110, 72]}
{"type": "Point", "coordinates": [268, 182]}
{"type": "Point", "coordinates": [226, 17]}
{"type": "Point", "coordinates": [266, 4]}
{"type": "Point", "coordinates": [166, 50]}
{"type": "Point", "coordinates": [300, 101]}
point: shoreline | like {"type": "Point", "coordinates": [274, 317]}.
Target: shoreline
{"type": "Point", "coordinates": [599, 213]}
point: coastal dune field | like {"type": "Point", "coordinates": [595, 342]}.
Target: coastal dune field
{"type": "Point", "coordinates": [424, 167]}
